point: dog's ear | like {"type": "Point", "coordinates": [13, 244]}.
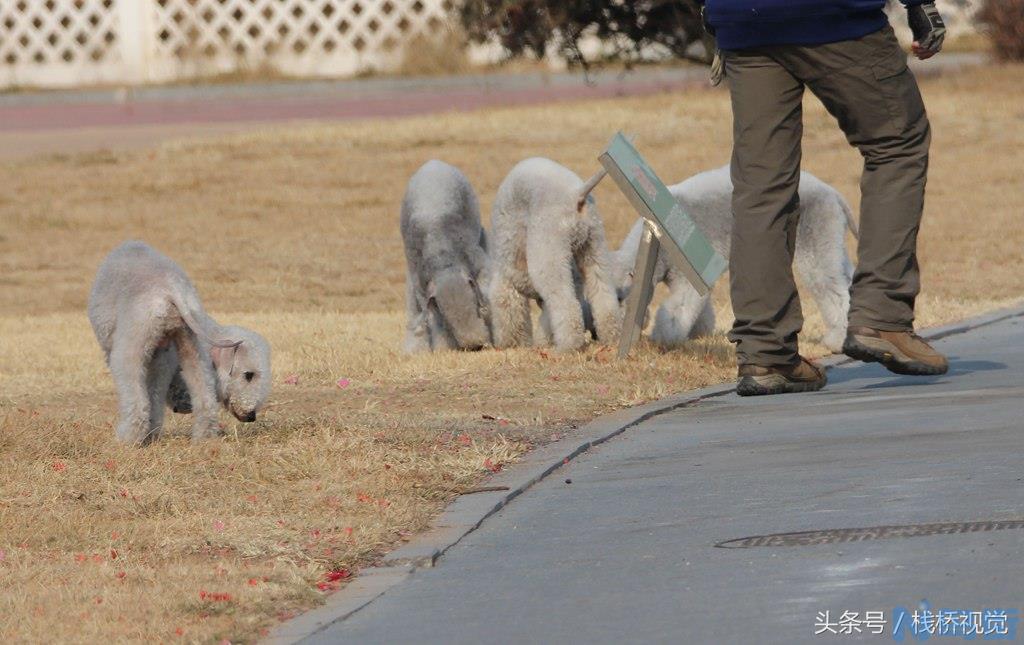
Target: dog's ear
{"type": "Point", "coordinates": [588, 188]}
{"type": "Point", "coordinates": [222, 356]}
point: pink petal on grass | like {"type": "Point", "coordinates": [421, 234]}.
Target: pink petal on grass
{"type": "Point", "coordinates": [293, 379]}
{"type": "Point", "coordinates": [343, 383]}
{"type": "Point", "coordinates": [218, 525]}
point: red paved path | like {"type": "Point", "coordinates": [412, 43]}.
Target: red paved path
{"type": "Point", "coordinates": [166, 111]}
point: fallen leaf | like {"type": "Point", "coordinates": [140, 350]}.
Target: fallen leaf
{"type": "Point", "coordinates": [214, 596]}
{"type": "Point", "coordinates": [218, 525]}
{"type": "Point", "coordinates": [59, 466]}
{"type": "Point", "coordinates": [337, 574]}
{"type": "Point", "coordinates": [293, 379]}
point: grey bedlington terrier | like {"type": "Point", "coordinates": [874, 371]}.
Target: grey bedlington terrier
{"type": "Point", "coordinates": [150, 324]}
{"type": "Point", "coordinates": [545, 229]}
{"type": "Point", "coordinates": [446, 255]}
{"type": "Point", "coordinates": [821, 260]}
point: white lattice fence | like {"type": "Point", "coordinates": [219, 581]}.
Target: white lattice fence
{"type": "Point", "coordinates": [59, 43]}
{"type": "Point", "coordinates": [79, 42]}
{"type": "Point", "coordinates": [296, 37]}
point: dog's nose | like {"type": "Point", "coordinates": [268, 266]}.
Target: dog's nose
{"type": "Point", "coordinates": [249, 418]}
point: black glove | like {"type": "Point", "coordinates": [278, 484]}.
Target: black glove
{"type": "Point", "coordinates": [927, 25]}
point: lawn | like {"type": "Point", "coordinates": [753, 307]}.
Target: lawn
{"type": "Point", "coordinates": [294, 232]}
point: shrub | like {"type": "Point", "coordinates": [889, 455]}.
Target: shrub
{"type": "Point", "coordinates": [539, 27]}
{"type": "Point", "coordinates": [1004, 22]}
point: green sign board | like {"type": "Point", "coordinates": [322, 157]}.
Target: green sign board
{"type": "Point", "coordinates": [649, 195]}
{"type": "Point", "coordinates": [667, 229]}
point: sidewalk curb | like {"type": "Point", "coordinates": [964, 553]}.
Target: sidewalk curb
{"type": "Point", "coordinates": [467, 513]}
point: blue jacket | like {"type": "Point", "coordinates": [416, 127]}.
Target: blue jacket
{"type": "Point", "coordinates": [742, 24]}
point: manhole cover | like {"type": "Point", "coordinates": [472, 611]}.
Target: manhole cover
{"type": "Point", "coordinates": [836, 536]}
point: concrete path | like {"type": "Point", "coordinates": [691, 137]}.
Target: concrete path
{"type": "Point", "coordinates": [627, 552]}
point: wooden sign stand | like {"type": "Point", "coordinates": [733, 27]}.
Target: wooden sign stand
{"type": "Point", "coordinates": [640, 295]}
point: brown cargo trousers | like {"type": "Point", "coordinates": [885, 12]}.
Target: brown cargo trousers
{"type": "Point", "coordinates": [866, 85]}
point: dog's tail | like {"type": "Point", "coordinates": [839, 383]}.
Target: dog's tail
{"type": "Point", "coordinates": [851, 223]}
{"type": "Point", "coordinates": [201, 324]}
{"type": "Point", "coordinates": [588, 188]}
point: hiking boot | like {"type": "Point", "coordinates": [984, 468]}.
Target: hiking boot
{"type": "Point", "coordinates": [804, 376]}
{"type": "Point", "coordinates": [901, 352]}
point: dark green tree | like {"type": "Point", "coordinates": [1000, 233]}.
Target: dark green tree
{"type": "Point", "coordinates": [538, 27]}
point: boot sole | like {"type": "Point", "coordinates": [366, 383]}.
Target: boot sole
{"type": "Point", "coordinates": [775, 384]}
{"type": "Point", "coordinates": [890, 358]}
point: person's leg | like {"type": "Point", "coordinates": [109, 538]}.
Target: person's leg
{"type": "Point", "coordinates": [866, 85]}
{"type": "Point", "coordinates": [767, 128]}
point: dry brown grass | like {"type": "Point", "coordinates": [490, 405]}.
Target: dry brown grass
{"type": "Point", "coordinates": [332, 477]}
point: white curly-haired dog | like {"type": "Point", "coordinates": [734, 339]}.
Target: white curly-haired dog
{"type": "Point", "coordinates": [545, 227]}
{"type": "Point", "coordinates": [446, 256]}
{"type": "Point", "coordinates": [150, 324]}
{"type": "Point", "coordinates": [821, 260]}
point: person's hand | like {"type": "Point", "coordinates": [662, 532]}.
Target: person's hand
{"type": "Point", "coordinates": [928, 28]}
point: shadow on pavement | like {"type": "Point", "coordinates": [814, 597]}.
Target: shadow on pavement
{"type": "Point", "coordinates": [873, 371]}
